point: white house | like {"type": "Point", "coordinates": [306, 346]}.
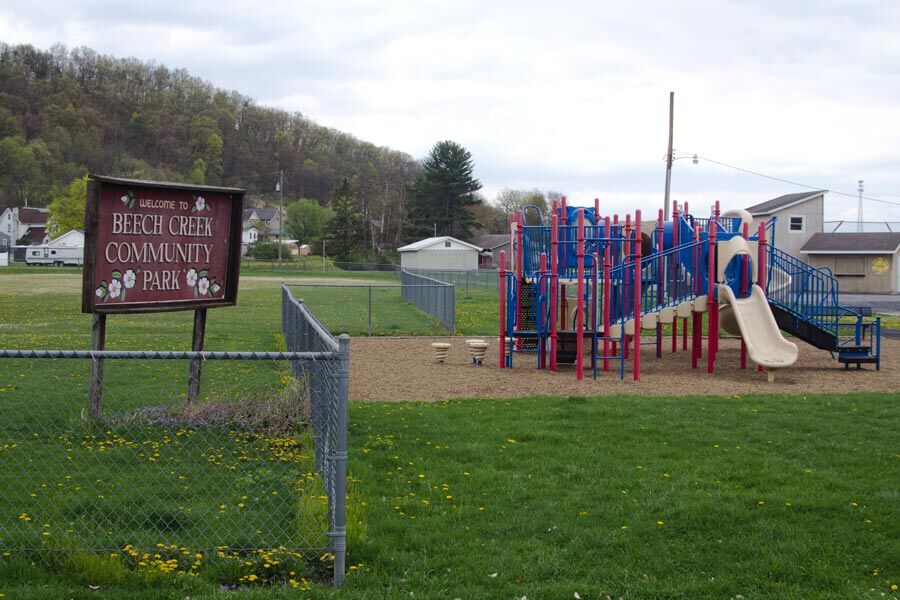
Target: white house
{"type": "Point", "coordinates": [25, 222]}
{"type": "Point", "coordinates": [440, 253]}
{"type": "Point", "coordinates": [249, 236]}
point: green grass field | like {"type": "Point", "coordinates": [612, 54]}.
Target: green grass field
{"type": "Point", "coordinates": [712, 497]}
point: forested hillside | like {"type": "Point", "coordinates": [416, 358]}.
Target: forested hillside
{"type": "Point", "coordinates": [64, 113]}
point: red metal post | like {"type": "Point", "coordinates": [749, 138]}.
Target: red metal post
{"type": "Point", "coordinates": [520, 269]}
{"type": "Point", "coordinates": [607, 289]}
{"type": "Point", "coordinates": [563, 237]}
{"type": "Point", "coordinates": [761, 264]}
{"type": "Point", "coordinates": [684, 326]}
{"type": "Point", "coordinates": [626, 300]}
{"type": "Point", "coordinates": [520, 234]}
{"type": "Point", "coordinates": [554, 285]}
{"type": "Point", "coordinates": [620, 306]}
{"type": "Point", "coordinates": [711, 304]}
{"type": "Point", "coordinates": [542, 287]}
{"type": "Point", "coordinates": [637, 295]}
{"type": "Point", "coordinates": [674, 261]}
{"type": "Point", "coordinates": [745, 272]}
{"type": "Point", "coordinates": [660, 280]}
{"type": "Point", "coordinates": [697, 321]}
{"type": "Point", "coordinates": [579, 311]}
{"type": "Point", "coordinates": [502, 285]}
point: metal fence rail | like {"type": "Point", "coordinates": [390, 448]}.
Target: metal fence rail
{"type": "Point", "coordinates": [463, 279]}
{"type": "Point", "coordinates": [436, 298]}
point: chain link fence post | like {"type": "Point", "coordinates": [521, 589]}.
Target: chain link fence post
{"type": "Point", "coordinates": [339, 534]}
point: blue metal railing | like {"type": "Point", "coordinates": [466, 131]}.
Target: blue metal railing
{"type": "Point", "coordinates": [811, 294]}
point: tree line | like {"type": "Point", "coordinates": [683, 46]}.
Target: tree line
{"type": "Point", "coordinates": [64, 113]}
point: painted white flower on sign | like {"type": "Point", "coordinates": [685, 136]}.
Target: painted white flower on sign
{"type": "Point", "coordinates": [191, 277]}
{"type": "Point", "coordinates": [115, 288]}
{"type": "Point", "coordinates": [129, 279]}
{"type": "Point", "coordinates": [203, 286]}
{"type": "Point", "coordinates": [200, 203]}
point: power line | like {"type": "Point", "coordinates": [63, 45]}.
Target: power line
{"type": "Point", "coordinates": [811, 187]}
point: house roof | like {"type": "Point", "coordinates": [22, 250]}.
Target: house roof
{"type": "Point", "coordinates": [33, 216]}
{"type": "Point", "coordinates": [266, 214]}
{"type": "Point", "coordinates": [782, 202]}
{"type": "Point", "coordinates": [72, 238]}
{"type": "Point", "coordinates": [248, 213]}
{"type": "Point", "coordinates": [489, 241]}
{"type": "Point", "coordinates": [432, 241]}
{"type": "Point", "coordinates": [35, 235]}
{"type": "Point", "coordinates": [852, 243]}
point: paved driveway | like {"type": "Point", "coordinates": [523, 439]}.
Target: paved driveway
{"type": "Point", "coordinates": [881, 303]}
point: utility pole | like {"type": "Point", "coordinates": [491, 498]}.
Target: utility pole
{"type": "Point", "coordinates": [859, 216]}
{"type": "Point", "coordinates": [280, 209]}
{"type": "Point", "coordinates": [669, 156]}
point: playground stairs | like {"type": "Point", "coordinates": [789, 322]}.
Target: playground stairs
{"type": "Point", "coordinates": [804, 302]}
{"type": "Point", "coordinates": [797, 325]}
{"type": "Point", "coordinates": [527, 324]}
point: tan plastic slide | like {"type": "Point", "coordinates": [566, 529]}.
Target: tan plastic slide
{"type": "Point", "coordinates": [752, 319]}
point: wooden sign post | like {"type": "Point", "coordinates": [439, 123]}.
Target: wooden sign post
{"type": "Point", "coordinates": [157, 247]}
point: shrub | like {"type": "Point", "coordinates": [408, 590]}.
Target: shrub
{"type": "Point", "coordinates": [269, 251]}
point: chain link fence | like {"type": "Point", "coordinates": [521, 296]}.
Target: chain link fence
{"type": "Point", "coordinates": [381, 309]}
{"type": "Point", "coordinates": [462, 279]}
{"type": "Point", "coordinates": [245, 484]}
{"type": "Point", "coordinates": [431, 296]}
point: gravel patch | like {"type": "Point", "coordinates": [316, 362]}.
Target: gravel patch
{"type": "Point", "coordinates": [404, 369]}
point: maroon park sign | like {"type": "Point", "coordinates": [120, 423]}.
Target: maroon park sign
{"type": "Point", "coordinates": [153, 246]}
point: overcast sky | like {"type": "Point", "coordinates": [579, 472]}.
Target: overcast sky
{"type": "Point", "coordinates": [555, 95]}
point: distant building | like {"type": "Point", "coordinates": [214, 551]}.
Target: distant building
{"type": "Point", "coordinates": [5, 242]}
{"type": "Point", "coordinates": [70, 239]}
{"type": "Point", "coordinates": [491, 245]}
{"type": "Point", "coordinates": [861, 262]}
{"type": "Point", "coordinates": [249, 236]}
{"type": "Point", "coordinates": [799, 217]}
{"type": "Point", "coordinates": [24, 222]}
{"type": "Point", "coordinates": [270, 217]}
{"type": "Point", "coordinates": [443, 253]}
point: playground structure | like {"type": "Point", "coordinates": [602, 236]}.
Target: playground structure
{"type": "Point", "coordinates": [627, 281]}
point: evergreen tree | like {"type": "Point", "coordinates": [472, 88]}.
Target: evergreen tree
{"type": "Point", "coordinates": [444, 193]}
{"type": "Point", "coordinates": [345, 229]}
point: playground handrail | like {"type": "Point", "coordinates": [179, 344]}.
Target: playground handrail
{"type": "Point", "coordinates": [807, 292]}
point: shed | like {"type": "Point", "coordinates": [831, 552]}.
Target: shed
{"type": "Point", "coordinates": [73, 238]}
{"type": "Point", "coordinates": [861, 262]}
{"type": "Point", "coordinates": [440, 253]}
{"type": "Point", "coordinates": [492, 244]}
